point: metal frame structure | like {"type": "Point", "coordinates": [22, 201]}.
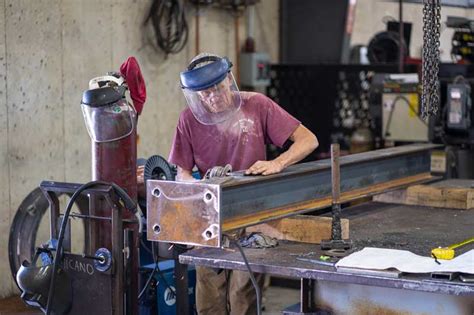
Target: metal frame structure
{"type": "Point", "coordinates": [112, 294]}
{"type": "Point", "coordinates": [199, 213]}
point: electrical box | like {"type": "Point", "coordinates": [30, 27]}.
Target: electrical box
{"type": "Point", "coordinates": [459, 106]}
{"type": "Point", "coordinates": [254, 69]}
{"type": "Point", "coordinates": [401, 119]}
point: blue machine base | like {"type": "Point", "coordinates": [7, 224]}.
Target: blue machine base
{"type": "Point", "coordinates": [165, 299]}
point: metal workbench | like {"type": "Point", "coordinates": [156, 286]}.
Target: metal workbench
{"type": "Point", "coordinates": [413, 228]}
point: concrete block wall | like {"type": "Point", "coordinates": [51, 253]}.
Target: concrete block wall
{"type": "Point", "coordinates": [6, 213]}
{"type": "Point", "coordinates": [50, 49]}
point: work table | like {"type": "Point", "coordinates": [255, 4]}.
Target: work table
{"type": "Point", "coordinates": [373, 224]}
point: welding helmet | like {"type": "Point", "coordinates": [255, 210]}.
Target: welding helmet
{"type": "Point", "coordinates": [210, 89]}
{"type": "Point", "coordinates": [107, 113]}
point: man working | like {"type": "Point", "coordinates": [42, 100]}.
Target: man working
{"type": "Point", "coordinates": [220, 126]}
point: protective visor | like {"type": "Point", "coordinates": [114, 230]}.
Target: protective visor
{"type": "Point", "coordinates": [211, 92]}
{"type": "Point", "coordinates": [109, 122]}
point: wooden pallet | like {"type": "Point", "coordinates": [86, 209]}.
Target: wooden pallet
{"type": "Point", "coordinates": [450, 194]}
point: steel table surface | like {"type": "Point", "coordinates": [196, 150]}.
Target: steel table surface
{"type": "Point", "coordinates": [413, 228]}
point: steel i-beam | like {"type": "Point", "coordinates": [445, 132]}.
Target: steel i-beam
{"type": "Point", "coordinates": [198, 213]}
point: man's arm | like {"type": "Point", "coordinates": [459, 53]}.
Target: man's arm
{"type": "Point", "coordinates": [304, 142]}
{"type": "Point", "coordinates": [184, 175]}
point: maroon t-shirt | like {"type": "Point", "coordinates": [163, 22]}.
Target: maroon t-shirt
{"type": "Point", "coordinates": [239, 141]}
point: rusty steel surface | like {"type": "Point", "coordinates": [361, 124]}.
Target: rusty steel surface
{"type": "Point", "coordinates": [247, 200]}
{"type": "Point", "coordinates": [192, 210]}
{"type": "Point", "coordinates": [336, 230]}
{"type": "Point", "coordinates": [417, 229]}
{"type": "Point", "coordinates": [407, 227]}
{"type": "Point", "coordinates": [335, 173]}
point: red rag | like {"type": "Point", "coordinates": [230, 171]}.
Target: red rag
{"type": "Point", "coordinates": [130, 70]}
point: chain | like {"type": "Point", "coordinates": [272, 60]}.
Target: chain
{"type": "Point", "coordinates": [431, 31]}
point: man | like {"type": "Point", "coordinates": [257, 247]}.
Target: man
{"type": "Point", "coordinates": [220, 126]}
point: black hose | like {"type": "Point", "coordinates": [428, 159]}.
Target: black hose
{"type": "Point", "coordinates": [170, 25]}
{"type": "Point", "coordinates": [147, 283]}
{"type": "Point", "coordinates": [153, 272]}
{"type": "Point", "coordinates": [155, 261]}
{"type": "Point", "coordinates": [156, 258]}
{"type": "Point", "coordinates": [252, 278]}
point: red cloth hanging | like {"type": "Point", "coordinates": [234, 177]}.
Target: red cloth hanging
{"type": "Point", "coordinates": [130, 70]}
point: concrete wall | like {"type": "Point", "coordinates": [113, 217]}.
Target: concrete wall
{"type": "Point", "coordinates": [370, 13]}
{"type": "Point", "coordinates": [49, 49]}
{"type": "Point", "coordinates": [6, 213]}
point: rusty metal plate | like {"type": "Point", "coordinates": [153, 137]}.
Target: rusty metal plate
{"type": "Point", "coordinates": [183, 212]}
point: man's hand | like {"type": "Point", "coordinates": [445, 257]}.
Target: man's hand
{"type": "Point", "coordinates": [304, 142]}
{"type": "Point", "coordinates": [265, 168]}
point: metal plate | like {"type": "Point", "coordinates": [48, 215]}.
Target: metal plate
{"type": "Point", "coordinates": [85, 280]}
{"type": "Point", "coordinates": [183, 212]}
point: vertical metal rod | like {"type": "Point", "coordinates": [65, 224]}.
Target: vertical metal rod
{"type": "Point", "coordinates": [401, 52]}
{"type": "Point", "coordinates": [54, 214]}
{"type": "Point", "coordinates": [117, 254]}
{"type": "Point", "coordinates": [307, 304]}
{"type": "Point", "coordinates": [94, 207]}
{"type": "Point", "coordinates": [336, 193]}
{"type": "Point", "coordinates": [335, 174]}
{"type": "Point", "coordinates": [181, 280]}
{"type": "Point", "coordinates": [89, 245]}
{"type": "Point", "coordinates": [67, 234]}
{"type": "Point", "coordinates": [128, 245]}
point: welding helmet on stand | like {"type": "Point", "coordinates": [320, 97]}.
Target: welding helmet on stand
{"type": "Point", "coordinates": [210, 89]}
{"type": "Point", "coordinates": [107, 113]}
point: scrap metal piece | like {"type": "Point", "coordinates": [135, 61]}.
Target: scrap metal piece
{"type": "Point", "coordinates": [179, 213]}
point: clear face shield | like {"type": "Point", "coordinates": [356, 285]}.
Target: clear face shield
{"type": "Point", "coordinates": [215, 104]}
{"type": "Point", "coordinates": [211, 92]}
{"type": "Point", "coordinates": [107, 114]}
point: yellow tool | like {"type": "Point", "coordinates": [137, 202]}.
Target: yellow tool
{"type": "Point", "coordinates": [447, 253]}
